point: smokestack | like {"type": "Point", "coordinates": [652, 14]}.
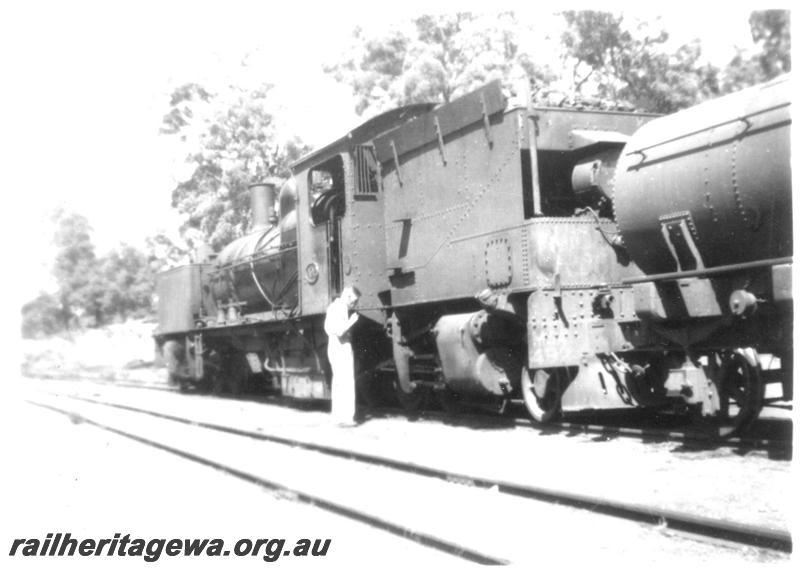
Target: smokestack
{"type": "Point", "coordinates": [262, 206]}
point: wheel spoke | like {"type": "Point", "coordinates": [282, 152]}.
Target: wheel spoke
{"type": "Point", "coordinates": [738, 394]}
{"type": "Point", "coordinates": [739, 382]}
{"type": "Point", "coordinates": [541, 390]}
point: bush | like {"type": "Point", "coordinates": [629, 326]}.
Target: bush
{"type": "Point", "coordinates": [43, 316]}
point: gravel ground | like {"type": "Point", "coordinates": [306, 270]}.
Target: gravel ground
{"type": "Point", "coordinates": [66, 476]}
{"type": "Point", "coordinates": [749, 488]}
{"type": "Point", "coordinates": [123, 351]}
{"type": "Point", "coordinates": [57, 485]}
{"type": "Point", "coordinates": [487, 521]}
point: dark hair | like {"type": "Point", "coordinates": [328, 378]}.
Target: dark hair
{"type": "Point", "coordinates": [355, 290]}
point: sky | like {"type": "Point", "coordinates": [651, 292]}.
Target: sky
{"type": "Point", "coordinates": [86, 85]}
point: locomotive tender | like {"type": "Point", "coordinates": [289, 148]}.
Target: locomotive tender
{"type": "Point", "coordinates": [579, 260]}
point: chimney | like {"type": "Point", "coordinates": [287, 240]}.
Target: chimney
{"type": "Point", "coordinates": [262, 206]}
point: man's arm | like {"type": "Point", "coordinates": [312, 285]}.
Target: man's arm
{"type": "Point", "coordinates": [337, 323]}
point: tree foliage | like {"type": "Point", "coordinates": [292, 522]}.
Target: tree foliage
{"type": "Point", "coordinates": [435, 59]}
{"type": "Point", "coordinates": [181, 110]}
{"type": "Point", "coordinates": [127, 279]}
{"type": "Point", "coordinates": [771, 33]}
{"type": "Point", "coordinates": [92, 290]}
{"type": "Point", "coordinates": [43, 316]}
{"type": "Point", "coordinates": [75, 263]}
{"type": "Point", "coordinates": [609, 62]}
{"type": "Point", "coordinates": [165, 253]}
{"type": "Point", "coordinates": [232, 141]}
{"type": "Point", "coordinates": [631, 66]}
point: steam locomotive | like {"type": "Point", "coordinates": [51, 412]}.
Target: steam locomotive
{"type": "Point", "coordinates": [576, 260]}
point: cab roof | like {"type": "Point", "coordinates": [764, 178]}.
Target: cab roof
{"type": "Point", "coordinates": [363, 133]}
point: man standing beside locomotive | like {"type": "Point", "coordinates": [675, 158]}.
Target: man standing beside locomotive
{"type": "Point", "coordinates": [338, 323]}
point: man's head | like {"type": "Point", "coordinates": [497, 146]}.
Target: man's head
{"type": "Point", "coordinates": [350, 295]}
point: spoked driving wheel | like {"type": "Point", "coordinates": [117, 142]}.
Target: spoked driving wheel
{"type": "Point", "coordinates": [237, 372]}
{"type": "Point", "coordinates": [226, 372]}
{"type": "Point", "coordinates": [741, 392]}
{"type": "Point", "coordinates": [214, 373]}
{"type": "Point", "coordinates": [367, 390]}
{"type": "Point", "coordinates": [542, 390]}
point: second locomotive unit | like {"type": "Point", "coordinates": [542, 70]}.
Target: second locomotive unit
{"type": "Point", "coordinates": [577, 260]}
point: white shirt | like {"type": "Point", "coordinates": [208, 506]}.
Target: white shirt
{"type": "Point", "coordinates": [337, 323]}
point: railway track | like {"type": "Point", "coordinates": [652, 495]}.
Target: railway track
{"type": "Point", "coordinates": [632, 427]}
{"type": "Point", "coordinates": [682, 523]}
{"type": "Point", "coordinates": [417, 536]}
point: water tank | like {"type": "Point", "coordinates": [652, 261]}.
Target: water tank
{"type": "Point", "coordinates": [710, 185]}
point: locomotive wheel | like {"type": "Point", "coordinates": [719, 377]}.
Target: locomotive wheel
{"type": "Point", "coordinates": [178, 381]}
{"type": "Point", "coordinates": [173, 379]}
{"type": "Point", "coordinates": [214, 379]}
{"type": "Point", "coordinates": [367, 391]}
{"type": "Point", "coordinates": [448, 400]}
{"type": "Point", "coordinates": [410, 400]}
{"type": "Point", "coordinates": [741, 393]}
{"type": "Point", "coordinates": [226, 372]}
{"type": "Point", "coordinates": [174, 356]}
{"type": "Point", "coordinates": [217, 383]}
{"type": "Point", "coordinates": [239, 374]}
{"type": "Point", "coordinates": [542, 390]}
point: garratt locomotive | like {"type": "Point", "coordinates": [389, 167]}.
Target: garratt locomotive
{"type": "Point", "coordinates": [578, 260]}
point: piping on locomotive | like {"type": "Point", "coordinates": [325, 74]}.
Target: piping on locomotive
{"type": "Point", "coordinates": [578, 260]}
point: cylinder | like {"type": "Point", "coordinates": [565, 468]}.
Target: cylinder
{"type": "Point", "coordinates": [468, 368]}
{"type": "Point", "coordinates": [710, 185]}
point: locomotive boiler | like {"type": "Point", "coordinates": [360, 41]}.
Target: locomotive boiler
{"type": "Point", "coordinates": [572, 259]}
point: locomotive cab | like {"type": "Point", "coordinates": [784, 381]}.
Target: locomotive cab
{"type": "Point", "coordinates": [340, 226]}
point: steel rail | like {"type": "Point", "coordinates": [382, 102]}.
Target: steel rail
{"type": "Point", "coordinates": [675, 435]}
{"type": "Point", "coordinates": [759, 536]}
{"type": "Point", "coordinates": [422, 538]}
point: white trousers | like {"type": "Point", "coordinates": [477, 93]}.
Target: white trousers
{"type": "Point", "coordinates": [343, 384]}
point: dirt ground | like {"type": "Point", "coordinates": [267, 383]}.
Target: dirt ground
{"type": "Point", "coordinates": [726, 484]}
{"type": "Point", "coordinates": [116, 352]}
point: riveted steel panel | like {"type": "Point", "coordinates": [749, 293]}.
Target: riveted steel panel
{"type": "Point", "coordinates": [499, 265]}
{"type": "Point", "coordinates": [564, 326]}
{"type": "Point", "coordinates": [312, 251]}
{"type": "Point", "coordinates": [180, 297]}
{"type": "Point", "coordinates": [449, 118]}
{"type": "Point", "coordinates": [364, 254]}
{"type": "Point", "coordinates": [574, 252]}
{"type": "Point", "coordinates": [570, 129]}
{"type": "Point", "coordinates": [438, 221]}
{"type": "Point", "coordinates": [727, 163]}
